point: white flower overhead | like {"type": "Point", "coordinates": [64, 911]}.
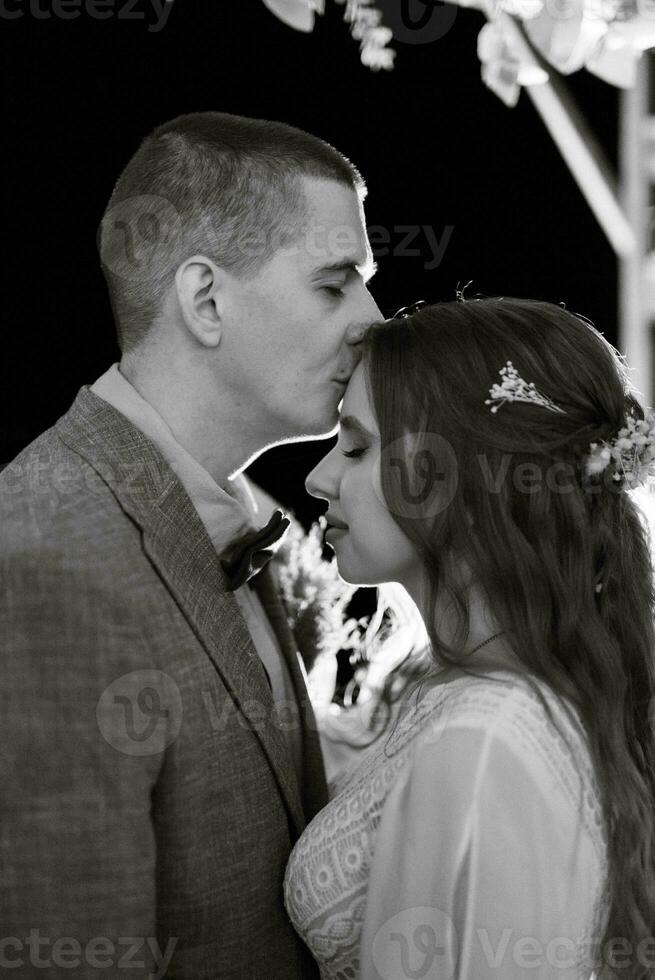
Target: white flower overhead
{"type": "Point", "coordinates": [365, 22]}
{"type": "Point", "coordinates": [504, 70]}
{"type": "Point", "coordinates": [606, 37]}
{"type": "Point", "coordinates": [298, 14]}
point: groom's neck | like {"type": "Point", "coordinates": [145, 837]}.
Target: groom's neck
{"type": "Point", "coordinates": [205, 422]}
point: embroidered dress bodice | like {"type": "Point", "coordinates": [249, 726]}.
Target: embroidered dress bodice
{"type": "Point", "coordinates": [473, 826]}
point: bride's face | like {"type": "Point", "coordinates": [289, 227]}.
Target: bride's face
{"type": "Point", "coordinates": [369, 545]}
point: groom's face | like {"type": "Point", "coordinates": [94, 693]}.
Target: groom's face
{"type": "Point", "coordinates": [299, 319]}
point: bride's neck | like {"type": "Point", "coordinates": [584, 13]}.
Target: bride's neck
{"type": "Point", "coordinates": [482, 627]}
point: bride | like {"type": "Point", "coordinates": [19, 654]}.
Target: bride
{"type": "Point", "coordinates": [505, 826]}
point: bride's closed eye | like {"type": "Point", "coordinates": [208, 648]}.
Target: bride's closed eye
{"type": "Point", "coordinates": [354, 453]}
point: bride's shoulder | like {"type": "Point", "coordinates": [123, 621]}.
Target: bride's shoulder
{"type": "Point", "coordinates": [516, 719]}
{"type": "Point", "coordinates": [502, 700]}
{"type": "Point", "coordinates": [506, 709]}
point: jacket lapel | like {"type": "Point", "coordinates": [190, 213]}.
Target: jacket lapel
{"type": "Point", "coordinates": [314, 787]}
{"type": "Point", "coordinates": [178, 546]}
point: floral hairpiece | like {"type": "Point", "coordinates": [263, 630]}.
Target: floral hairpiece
{"type": "Point", "coordinates": [632, 451]}
{"type": "Point", "coordinates": [514, 389]}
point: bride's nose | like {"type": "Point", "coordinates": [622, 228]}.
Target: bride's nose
{"type": "Point", "coordinates": [323, 481]}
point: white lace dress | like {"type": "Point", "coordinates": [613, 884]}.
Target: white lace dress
{"type": "Point", "coordinates": [467, 844]}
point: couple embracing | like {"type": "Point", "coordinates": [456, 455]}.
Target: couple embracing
{"type": "Point", "coordinates": [503, 825]}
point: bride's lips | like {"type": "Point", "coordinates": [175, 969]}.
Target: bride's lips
{"type": "Point", "coordinates": [334, 532]}
{"type": "Point", "coordinates": [333, 521]}
{"type": "Point", "coordinates": [335, 527]}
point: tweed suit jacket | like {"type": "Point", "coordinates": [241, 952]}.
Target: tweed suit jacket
{"type": "Point", "coordinates": [148, 792]}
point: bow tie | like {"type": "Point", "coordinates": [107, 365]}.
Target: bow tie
{"type": "Point", "coordinates": [249, 554]}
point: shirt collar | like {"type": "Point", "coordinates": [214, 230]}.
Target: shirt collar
{"type": "Point", "coordinates": [226, 512]}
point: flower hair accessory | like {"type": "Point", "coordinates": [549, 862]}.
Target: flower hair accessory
{"type": "Point", "coordinates": [632, 452]}
{"type": "Point", "coordinates": [514, 389]}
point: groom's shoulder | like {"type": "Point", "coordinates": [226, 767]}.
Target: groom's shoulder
{"type": "Point", "coordinates": [53, 502]}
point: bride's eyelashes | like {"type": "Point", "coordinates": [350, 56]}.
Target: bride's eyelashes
{"type": "Point", "coordinates": [354, 453]}
{"type": "Point", "coordinates": [335, 291]}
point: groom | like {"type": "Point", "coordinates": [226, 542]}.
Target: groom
{"type": "Point", "coordinates": [159, 752]}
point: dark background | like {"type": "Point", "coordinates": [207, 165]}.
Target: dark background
{"type": "Point", "coordinates": [435, 146]}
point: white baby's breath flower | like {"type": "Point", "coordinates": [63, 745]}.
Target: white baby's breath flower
{"type": "Point", "coordinates": [366, 27]}
{"type": "Point", "coordinates": [598, 459]}
{"type": "Point", "coordinates": [377, 58]}
{"type": "Point", "coordinates": [631, 452]}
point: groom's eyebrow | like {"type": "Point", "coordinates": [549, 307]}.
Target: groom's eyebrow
{"type": "Point", "coordinates": [351, 424]}
{"type": "Point", "coordinates": [366, 270]}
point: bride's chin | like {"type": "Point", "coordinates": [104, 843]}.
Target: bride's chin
{"type": "Point", "coordinates": [351, 575]}
{"type": "Point", "coordinates": [344, 571]}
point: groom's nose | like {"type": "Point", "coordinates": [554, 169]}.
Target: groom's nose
{"type": "Point", "coordinates": [371, 313]}
{"type": "Point", "coordinates": [355, 333]}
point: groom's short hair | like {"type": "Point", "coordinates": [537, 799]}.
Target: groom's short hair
{"type": "Point", "coordinates": [206, 183]}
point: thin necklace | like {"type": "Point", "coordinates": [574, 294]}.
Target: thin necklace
{"type": "Point", "coordinates": [484, 642]}
{"type": "Point", "coordinates": [445, 670]}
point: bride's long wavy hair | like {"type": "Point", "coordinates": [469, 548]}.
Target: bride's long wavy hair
{"type": "Point", "coordinates": [564, 560]}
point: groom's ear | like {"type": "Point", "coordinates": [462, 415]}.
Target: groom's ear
{"type": "Point", "coordinates": [199, 285]}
